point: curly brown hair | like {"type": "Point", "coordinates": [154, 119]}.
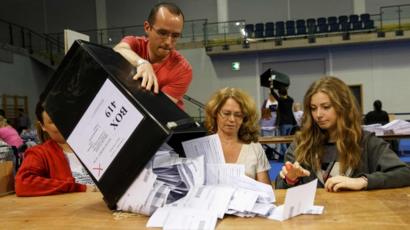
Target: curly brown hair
{"type": "Point", "coordinates": [249, 130]}
{"type": "Point", "coordinates": [310, 139]}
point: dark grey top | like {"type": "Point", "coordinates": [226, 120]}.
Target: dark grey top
{"type": "Point", "coordinates": [381, 165]}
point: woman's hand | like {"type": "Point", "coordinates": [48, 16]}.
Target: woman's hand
{"type": "Point", "coordinates": [291, 172]}
{"type": "Point", "coordinates": [337, 183]}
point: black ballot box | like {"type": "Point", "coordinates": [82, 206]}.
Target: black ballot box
{"type": "Point", "coordinates": [113, 125]}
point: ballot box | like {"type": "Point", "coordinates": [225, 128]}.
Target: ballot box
{"type": "Point", "coordinates": [113, 125]}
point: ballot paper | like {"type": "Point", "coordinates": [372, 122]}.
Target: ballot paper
{"type": "Point", "coordinates": [208, 197]}
{"type": "Point", "coordinates": [210, 147]}
{"type": "Point", "coordinates": [182, 218]}
{"type": "Point", "coordinates": [394, 127]}
{"type": "Point", "coordinates": [223, 173]}
{"type": "Point", "coordinates": [299, 200]}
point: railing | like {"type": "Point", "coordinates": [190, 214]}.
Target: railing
{"type": "Point", "coordinates": [193, 31]}
{"type": "Point", "coordinates": [35, 43]}
{"type": "Point", "coordinates": [395, 18]}
{"type": "Point", "coordinates": [390, 18]}
{"type": "Point", "coordinates": [224, 33]}
{"type": "Point", "coordinates": [198, 106]}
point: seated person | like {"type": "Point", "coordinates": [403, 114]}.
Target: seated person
{"type": "Point", "coordinates": [332, 147]}
{"type": "Point", "coordinates": [9, 134]}
{"type": "Point", "coordinates": [377, 116]}
{"type": "Point", "coordinates": [231, 113]}
{"type": "Point", "coordinates": [50, 167]}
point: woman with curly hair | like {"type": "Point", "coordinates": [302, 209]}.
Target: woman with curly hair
{"type": "Point", "coordinates": [231, 113]}
{"type": "Point", "coordinates": [332, 146]}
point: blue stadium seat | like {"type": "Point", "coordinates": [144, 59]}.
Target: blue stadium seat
{"type": "Point", "coordinates": [368, 25]}
{"type": "Point", "coordinates": [269, 29]}
{"type": "Point", "coordinates": [353, 18]}
{"type": "Point", "coordinates": [355, 23]}
{"type": "Point", "coordinates": [311, 25]}
{"type": "Point", "coordinates": [249, 28]}
{"type": "Point", "coordinates": [364, 17]}
{"type": "Point", "coordinates": [300, 26]}
{"type": "Point", "coordinates": [290, 28]}
{"type": "Point", "coordinates": [322, 25]}
{"type": "Point", "coordinates": [259, 29]}
{"type": "Point", "coordinates": [333, 25]}
{"type": "Point", "coordinates": [280, 29]}
{"type": "Point", "coordinates": [344, 23]}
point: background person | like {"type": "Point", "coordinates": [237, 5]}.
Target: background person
{"type": "Point", "coordinates": [231, 113]}
{"type": "Point", "coordinates": [158, 64]}
{"type": "Point", "coordinates": [377, 116]}
{"type": "Point", "coordinates": [9, 134]}
{"type": "Point", "coordinates": [298, 113]}
{"type": "Point", "coordinates": [285, 119]}
{"type": "Point", "coordinates": [332, 147]}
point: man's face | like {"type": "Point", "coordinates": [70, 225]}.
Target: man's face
{"type": "Point", "coordinates": [163, 34]}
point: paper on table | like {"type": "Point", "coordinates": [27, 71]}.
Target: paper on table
{"type": "Point", "coordinates": [138, 192]}
{"type": "Point", "coordinates": [210, 147]}
{"type": "Point", "coordinates": [264, 191]}
{"type": "Point", "coordinates": [298, 200]}
{"type": "Point", "coordinates": [182, 218]}
{"type": "Point", "coordinates": [208, 197]}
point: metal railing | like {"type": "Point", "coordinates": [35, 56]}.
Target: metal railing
{"type": "Point", "coordinates": [224, 33]}
{"type": "Point", "coordinates": [193, 31]}
{"type": "Point", "coordinates": [395, 18]}
{"type": "Point", "coordinates": [35, 43]}
{"type": "Point", "coordinates": [198, 108]}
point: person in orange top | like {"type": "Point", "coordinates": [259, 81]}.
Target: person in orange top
{"type": "Point", "coordinates": [47, 168]}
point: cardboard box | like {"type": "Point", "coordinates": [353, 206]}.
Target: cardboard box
{"type": "Point", "coordinates": [113, 125]}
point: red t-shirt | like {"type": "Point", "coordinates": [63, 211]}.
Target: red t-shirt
{"type": "Point", "coordinates": [173, 75]}
{"type": "Point", "coordinates": [45, 171]}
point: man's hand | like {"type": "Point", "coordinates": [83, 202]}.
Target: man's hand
{"type": "Point", "coordinates": [144, 68]}
{"type": "Point", "coordinates": [149, 79]}
{"type": "Point", "coordinates": [293, 171]}
{"type": "Point", "coordinates": [337, 183]}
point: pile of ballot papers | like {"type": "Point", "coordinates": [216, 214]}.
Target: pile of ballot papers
{"type": "Point", "coordinates": [195, 191]}
{"type": "Point", "coordinates": [394, 127]}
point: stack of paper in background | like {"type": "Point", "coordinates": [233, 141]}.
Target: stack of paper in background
{"type": "Point", "coordinates": [393, 127]}
{"type": "Point", "coordinates": [193, 192]}
{"type": "Point", "coordinates": [398, 127]}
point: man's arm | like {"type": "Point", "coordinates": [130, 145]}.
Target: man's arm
{"type": "Point", "coordinates": [272, 91]}
{"type": "Point", "coordinates": [125, 50]}
{"type": "Point", "coordinates": [144, 68]}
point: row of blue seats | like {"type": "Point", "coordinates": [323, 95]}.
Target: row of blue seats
{"type": "Point", "coordinates": [330, 24]}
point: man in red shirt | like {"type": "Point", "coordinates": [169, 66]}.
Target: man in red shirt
{"type": "Point", "coordinates": [158, 64]}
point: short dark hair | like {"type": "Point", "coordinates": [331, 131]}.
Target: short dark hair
{"type": "Point", "coordinates": [173, 8]}
{"type": "Point", "coordinates": [377, 104]}
{"type": "Point", "coordinates": [283, 91]}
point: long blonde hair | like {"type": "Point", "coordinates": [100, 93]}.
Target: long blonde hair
{"type": "Point", "coordinates": [310, 139]}
{"type": "Point", "coordinates": [249, 131]}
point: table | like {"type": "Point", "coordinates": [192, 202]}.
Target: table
{"type": "Point", "coordinates": [289, 139]}
{"type": "Point", "coordinates": [276, 139]}
{"type": "Point", "coordinates": [379, 209]}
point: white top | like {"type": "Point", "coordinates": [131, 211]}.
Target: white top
{"type": "Point", "coordinates": [254, 158]}
{"type": "Point", "coordinates": [79, 173]}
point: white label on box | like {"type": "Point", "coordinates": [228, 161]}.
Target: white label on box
{"type": "Point", "coordinates": [103, 129]}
